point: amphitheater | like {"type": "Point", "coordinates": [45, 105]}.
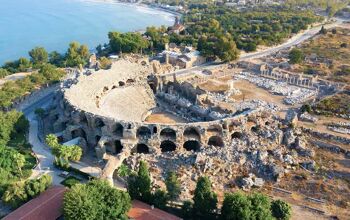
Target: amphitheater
{"type": "Point", "coordinates": [107, 113]}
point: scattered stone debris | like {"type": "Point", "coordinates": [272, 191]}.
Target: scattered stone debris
{"type": "Point", "coordinates": [307, 117]}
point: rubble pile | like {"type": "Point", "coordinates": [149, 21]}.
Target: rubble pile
{"type": "Point", "coordinates": [293, 94]}
{"type": "Point", "coordinates": [250, 161]}
{"type": "Point", "coordinates": [307, 117]}
{"type": "Point", "coordinates": [340, 127]}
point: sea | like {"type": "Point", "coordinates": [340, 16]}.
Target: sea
{"type": "Point", "coordinates": [53, 24]}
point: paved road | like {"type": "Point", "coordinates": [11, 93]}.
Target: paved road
{"type": "Point", "coordinates": [42, 152]}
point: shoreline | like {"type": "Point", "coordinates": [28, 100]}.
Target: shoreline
{"type": "Point", "coordinates": [167, 16]}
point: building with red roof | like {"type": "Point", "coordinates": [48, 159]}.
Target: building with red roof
{"type": "Point", "coordinates": [48, 205]}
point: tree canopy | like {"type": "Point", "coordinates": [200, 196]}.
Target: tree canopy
{"type": "Point", "coordinates": [205, 200]}
{"type": "Point", "coordinates": [95, 200]}
{"type": "Point", "coordinates": [296, 56]}
{"type": "Point", "coordinates": [173, 186]}
{"type": "Point", "coordinates": [127, 42]}
{"type": "Point", "coordinates": [39, 55]}
{"type": "Point", "coordinates": [139, 186]}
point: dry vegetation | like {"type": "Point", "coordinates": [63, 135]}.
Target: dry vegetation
{"type": "Point", "coordinates": [332, 52]}
{"type": "Point", "coordinates": [330, 182]}
{"type": "Point", "coordinates": [337, 104]}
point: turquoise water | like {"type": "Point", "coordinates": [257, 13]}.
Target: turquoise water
{"type": "Point", "coordinates": [25, 24]}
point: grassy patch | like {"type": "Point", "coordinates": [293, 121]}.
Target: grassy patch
{"type": "Point", "coordinates": [70, 181]}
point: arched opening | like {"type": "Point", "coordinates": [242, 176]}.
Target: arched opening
{"type": "Point", "coordinates": [142, 149]}
{"type": "Point", "coordinates": [118, 130]}
{"type": "Point", "coordinates": [236, 135]}
{"type": "Point", "coordinates": [192, 133]}
{"type": "Point", "coordinates": [153, 86]}
{"type": "Point", "coordinates": [78, 133]}
{"type": "Point", "coordinates": [109, 148]}
{"type": "Point", "coordinates": [155, 130]}
{"type": "Point", "coordinates": [168, 134]}
{"type": "Point", "coordinates": [216, 141]}
{"type": "Point", "coordinates": [99, 124]}
{"type": "Point", "coordinates": [97, 138]}
{"type": "Point", "coordinates": [121, 83]}
{"type": "Point", "coordinates": [192, 145]}
{"type": "Point", "coordinates": [130, 81]}
{"type": "Point", "coordinates": [83, 119]}
{"type": "Point", "coordinates": [118, 146]}
{"type": "Point", "coordinates": [167, 146]}
{"type": "Point", "coordinates": [143, 132]}
{"type": "Point", "coordinates": [215, 129]}
{"type": "Point", "coordinates": [255, 129]}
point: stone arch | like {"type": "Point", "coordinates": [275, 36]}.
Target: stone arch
{"type": "Point", "coordinates": [78, 133]}
{"type": "Point", "coordinates": [130, 81]}
{"type": "Point", "coordinates": [168, 134]}
{"type": "Point", "coordinates": [236, 135]}
{"type": "Point", "coordinates": [99, 123]}
{"type": "Point", "coordinates": [118, 146]}
{"type": "Point", "coordinates": [192, 133]}
{"type": "Point", "coordinates": [83, 118]}
{"type": "Point", "coordinates": [216, 141]}
{"type": "Point", "coordinates": [153, 83]}
{"type": "Point", "coordinates": [167, 146]}
{"type": "Point", "coordinates": [109, 147]}
{"type": "Point", "coordinates": [97, 138]}
{"type": "Point", "coordinates": [192, 145]}
{"type": "Point", "coordinates": [142, 148]}
{"type": "Point", "coordinates": [215, 129]}
{"type": "Point", "coordinates": [143, 132]}
{"type": "Point", "coordinates": [118, 130]}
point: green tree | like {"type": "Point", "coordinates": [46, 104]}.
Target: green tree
{"type": "Point", "coordinates": [124, 171]}
{"type": "Point", "coordinates": [39, 55]}
{"type": "Point", "coordinates": [260, 209]}
{"type": "Point", "coordinates": [52, 141]}
{"type": "Point", "coordinates": [23, 65]}
{"type": "Point", "coordinates": [95, 200]}
{"type": "Point", "coordinates": [187, 210]}
{"type": "Point", "coordinates": [20, 192]}
{"type": "Point", "coordinates": [127, 42]}
{"type": "Point", "coordinates": [236, 206]}
{"type": "Point", "coordinates": [205, 200]}
{"type": "Point", "coordinates": [51, 73]}
{"type": "Point", "coordinates": [105, 63]}
{"type": "Point", "coordinates": [19, 160]}
{"type": "Point", "coordinates": [227, 49]}
{"type": "Point", "coordinates": [281, 210]}
{"type": "Point", "coordinates": [296, 56]}
{"type": "Point", "coordinates": [3, 73]}
{"type": "Point", "coordinates": [139, 185]}
{"type": "Point", "coordinates": [56, 58]}
{"type": "Point", "coordinates": [15, 195]}
{"type": "Point", "coordinates": [76, 55]}
{"type": "Point", "coordinates": [75, 153]}
{"type": "Point", "coordinates": [173, 186]}
{"type": "Point", "coordinates": [160, 199]}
